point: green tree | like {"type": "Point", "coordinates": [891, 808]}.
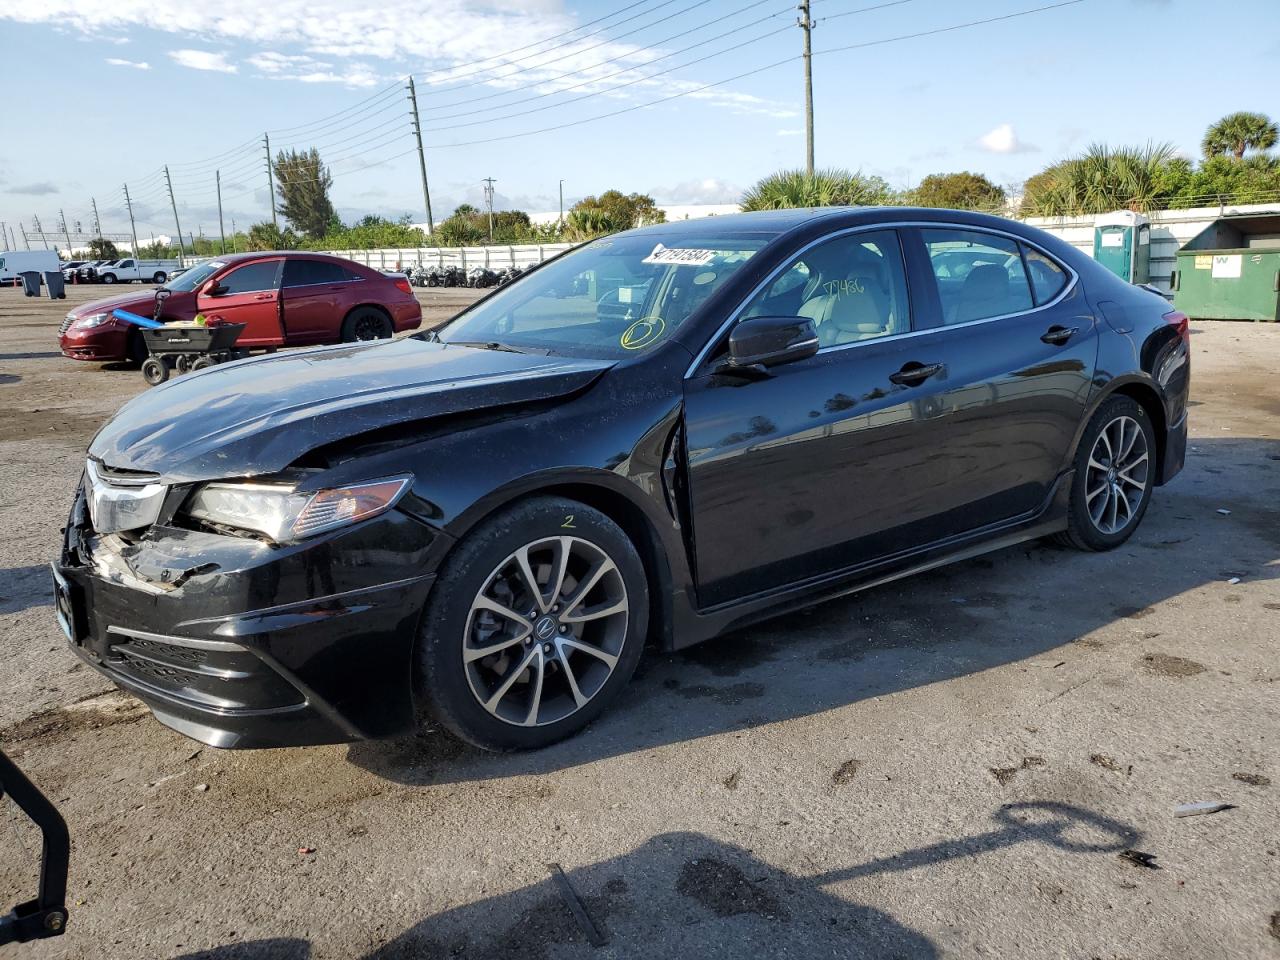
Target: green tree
{"type": "Point", "coordinates": [267, 236]}
{"type": "Point", "coordinates": [1238, 132]}
{"type": "Point", "coordinates": [1104, 178]}
{"type": "Point", "coordinates": [623, 210]}
{"type": "Point", "coordinates": [303, 183]}
{"type": "Point", "coordinates": [957, 191]}
{"type": "Point", "coordinates": [826, 188]}
{"type": "Point", "coordinates": [100, 248]}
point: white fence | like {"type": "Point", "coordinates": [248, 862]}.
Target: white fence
{"type": "Point", "coordinates": [494, 257]}
{"type": "Point", "coordinates": [1170, 229]}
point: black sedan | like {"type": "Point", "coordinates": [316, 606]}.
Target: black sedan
{"type": "Point", "coordinates": [661, 435]}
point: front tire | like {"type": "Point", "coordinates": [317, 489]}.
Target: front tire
{"type": "Point", "coordinates": [533, 627]}
{"type": "Point", "coordinates": [1115, 472]}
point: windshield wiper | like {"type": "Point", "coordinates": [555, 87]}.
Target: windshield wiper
{"type": "Point", "coordinates": [484, 345]}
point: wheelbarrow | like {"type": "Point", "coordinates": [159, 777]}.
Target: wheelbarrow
{"type": "Point", "coordinates": [186, 347]}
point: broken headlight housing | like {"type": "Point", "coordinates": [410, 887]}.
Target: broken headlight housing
{"type": "Point", "coordinates": [283, 514]}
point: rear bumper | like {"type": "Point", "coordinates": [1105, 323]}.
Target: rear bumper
{"type": "Point", "coordinates": [239, 643]}
{"type": "Point", "coordinates": [406, 316]}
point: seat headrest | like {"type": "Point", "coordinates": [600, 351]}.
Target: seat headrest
{"type": "Point", "coordinates": [986, 280]}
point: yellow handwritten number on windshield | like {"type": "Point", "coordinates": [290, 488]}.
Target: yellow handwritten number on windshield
{"type": "Point", "coordinates": [642, 333]}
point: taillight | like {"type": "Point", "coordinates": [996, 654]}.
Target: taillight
{"type": "Point", "coordinates": [402, 285]}
{"type": "Point", "coordinates": [1181, 322]}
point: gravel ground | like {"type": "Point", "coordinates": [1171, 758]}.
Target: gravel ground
{"type": "Point", "coordinates": [948, 766]}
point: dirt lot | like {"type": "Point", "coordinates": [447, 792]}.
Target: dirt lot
{"type": "Point", "coordinates": [950, 766]}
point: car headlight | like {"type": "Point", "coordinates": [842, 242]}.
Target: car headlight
{"type": "Point", "coordinates": [93, 320]}
{"type": "Point", "coordinates": [283, 514]}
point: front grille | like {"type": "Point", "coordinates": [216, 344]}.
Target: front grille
{"type": "Point", "coordinates": [121, 500]}
{"type": "Point", "coordinates": [66, 324]}
{"type": "Point", "coordinates": [184, 654]}
{"type": "Point", "coordinates": [156, 671]}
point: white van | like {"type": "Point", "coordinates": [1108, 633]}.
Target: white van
{"type": "Point", "coordinates": [13, 263]}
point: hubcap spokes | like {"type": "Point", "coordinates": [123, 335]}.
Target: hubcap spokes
{"type": "Point", "coordinates": [1116, 475]}
{"type": "Point", "coordinates": [545, 632]}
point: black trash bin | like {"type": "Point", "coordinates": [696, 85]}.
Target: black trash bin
{"type": "Point", "coordinates": [31, 283]}
{"type": "Point", "coordinates": [55, 284]}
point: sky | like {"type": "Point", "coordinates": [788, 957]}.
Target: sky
{"type": "Point", "coordinates": [690, 101]}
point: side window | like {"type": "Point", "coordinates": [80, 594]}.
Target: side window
{"type": "Point", "coordinates": [303, 273]}
{"type": "Point", "coordinates": [852, 287]}
{"type": "Point", "coordinates": [252, 277]}
{"type": "Point", "coordinates": [979, 275]}
{"type": "Point", "coordinates": [1047, 278]}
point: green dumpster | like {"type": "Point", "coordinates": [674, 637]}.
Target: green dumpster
{"type": "Point", "coordinates": [1231, 270]}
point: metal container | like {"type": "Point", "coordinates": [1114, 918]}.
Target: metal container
{"type": "Point", "coordinates": [1231, 270]}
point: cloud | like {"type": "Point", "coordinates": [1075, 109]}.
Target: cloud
{"type": "Point", "coordinates": [707, 190]}
{"type": "Point", "coordinates": [41, 189]}
{"type": "Point", "coordinates": [455, 48]}
{"type": "Point", "coordinates": [203, 60]}
{"type": "Point", "coordinates": [136, 64]}
{"type": "Point", "coordinates": [1003, 139]}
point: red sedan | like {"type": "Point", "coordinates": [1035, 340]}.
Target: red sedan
{"type": "Point", "coordinates": [284, 299]}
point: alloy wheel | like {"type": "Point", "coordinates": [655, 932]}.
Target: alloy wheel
{"type": "Point", "coordinates": [1117, 475]}
{"type": "Point", "coordinates": [368, 328]}
{"type": "Point", "coordinates": [545, 631]}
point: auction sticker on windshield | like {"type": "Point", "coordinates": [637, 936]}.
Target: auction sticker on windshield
{"type": "Point", "coordinates": [680, 256]}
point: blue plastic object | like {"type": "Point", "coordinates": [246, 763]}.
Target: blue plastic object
{"type": "Point", "coordinates": [128, 317]}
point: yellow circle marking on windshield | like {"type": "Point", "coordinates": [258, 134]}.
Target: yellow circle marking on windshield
{"type": "Point", "coordinates": [642, 333]}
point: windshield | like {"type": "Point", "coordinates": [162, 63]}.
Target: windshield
{"type": "Point", "coordinates": [612, 298]}
{"type": "Point", "coordinates": [188, 280]}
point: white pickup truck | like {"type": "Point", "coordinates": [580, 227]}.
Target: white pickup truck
{"type": "Point", "coordinates": [129, 269]}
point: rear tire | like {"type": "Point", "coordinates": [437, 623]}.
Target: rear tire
{"type": "Point", "coordinates": [159, 277]}
{"type": "Point", "coordinates": [560, 656]}
{"type": "Point", "coordinates": [364, 324]}
{"type": "Point", "coordinates": [155, 371]}
{"type": "Point", "coordinates": [1115, 472]}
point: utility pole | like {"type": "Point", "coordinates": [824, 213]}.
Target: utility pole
{"type": "Point", "coordinates": [271, 183]}
{"type": "Point", "coordinates": [65, 232]}
{"type": "Point", "coordinates": [805, 22]}
{"type": "Point", "coordinates": [133, 229]}
{"type": "Point", "coordinates": [217, 179]}
{"type": "Point", "coordinates": [97, 224]}
{"type": "Point", "coordinates": [35, 222]}
{"type": "Point", "coordinates": [4, 234]}
{"type": "Point", "coordinates": [233, 236]}
{"type": "Point", "coordinates": [422, 156]}
{"type": "Point", "coordinates": [488, 199]}
{"type": "Point", "coordinates": [26, 242]}
{"type": "Point", "coordinates": [174, 204]}
{"type": "Point", "coordinates": [562, 203]}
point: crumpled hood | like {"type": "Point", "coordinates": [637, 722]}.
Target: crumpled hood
{"type": "Point", "coordinates": [258, 416]}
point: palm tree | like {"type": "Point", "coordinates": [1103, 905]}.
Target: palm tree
{"type": "Point", "coordinates": [1237, 132]}
{"type": "Point", "coordinates": [1101, 179]}
{"type": "Point", "coordinates": [825, 188]}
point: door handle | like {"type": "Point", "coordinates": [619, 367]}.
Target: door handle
{"type": "Point", "coordinates": [914, 373]}
{"type": "Point", "coordinates": [1059, 335]}
{"type": "Point", "coordinates": [265, 296]}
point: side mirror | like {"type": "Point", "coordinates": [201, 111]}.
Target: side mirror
{"type": "Point", "coordinates": [213, 289]}
{"type": "Point", "coordinates": [761, 342]}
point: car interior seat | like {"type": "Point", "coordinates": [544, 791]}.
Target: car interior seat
{"type": "Point", "coordinates": [985, 294]}
{"type": "Point", "coordinates": [848, 300]}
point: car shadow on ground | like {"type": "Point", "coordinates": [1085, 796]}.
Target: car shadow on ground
{"type": "Point", "coordinates": [22, 588]}
{"type": "Point", "coordinates": [688, 895]}
{"type": "Point", "coordinates": [1008, 606]}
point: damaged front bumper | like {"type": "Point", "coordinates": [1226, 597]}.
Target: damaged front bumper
{"type": "Point", "coordinates": [237, 642]}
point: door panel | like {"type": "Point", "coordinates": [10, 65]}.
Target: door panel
{"type": "Point", "coordinates": [252, 297]}
{"type": "Point", "coordinates": [315, 294]}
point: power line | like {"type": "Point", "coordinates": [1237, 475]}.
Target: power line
{"type": "Point", "coordinates": [575, 52]}
{"type": "Point", "coordinates": [617, 73]}
{"type": "Point", "coordinates": [616, 87]}
{"type": "Point", "coordinates": [753, 72]}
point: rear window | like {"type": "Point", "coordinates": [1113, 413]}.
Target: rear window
{"type": "Point", "coordinates": [1047, 278]}
{"type": "Point", "coordinates": [305, 273]}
